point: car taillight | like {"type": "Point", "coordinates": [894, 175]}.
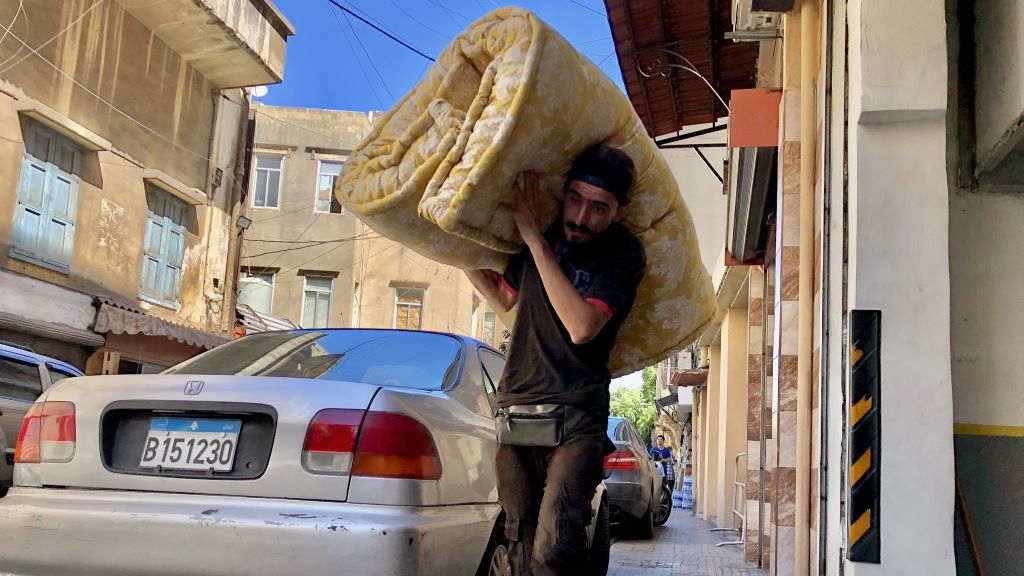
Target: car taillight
{"type": "Point", "coordinates": [331, 440]}
{"type": "Point", "coordinates": [360, 443]}
{"type": "Point", "coordinates": [622, 460]}
{"type": "Point", "coordinates": [47, 434]}
{"type": "Point", "coordinates": [396, 446]}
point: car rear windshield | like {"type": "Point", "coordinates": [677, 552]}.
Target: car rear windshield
{"type": "Point", "coordinates": [617, 429]}
{"type": "Point", "coordinates": [421, 360]}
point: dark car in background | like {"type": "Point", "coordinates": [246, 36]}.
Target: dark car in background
{"type": "Point", "coordinates": [633, 480]}
{"type": "Point", "coordinates": [24, 375]}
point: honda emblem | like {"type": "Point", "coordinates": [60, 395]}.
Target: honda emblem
{"type": "Point", "coordinates": [193, 387]}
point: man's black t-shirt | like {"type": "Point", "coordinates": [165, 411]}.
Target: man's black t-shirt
{"type": "Point", "coordinates": [544, 366]}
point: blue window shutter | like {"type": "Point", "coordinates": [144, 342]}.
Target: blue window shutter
{"type": "Point", "coordinates": [174, 253]}
{"type": "Point", "coordinates": [29, 215]}
{"type": "Point", "coordinates": [152, 250]}
{"type": "Point", "coordinates": [59, 224]}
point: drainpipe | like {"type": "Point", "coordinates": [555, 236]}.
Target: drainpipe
{"type": "Point", "coordinates": [808, 148]}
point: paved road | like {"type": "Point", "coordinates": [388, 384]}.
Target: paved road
{"type": "Point", "coordinates": [683, 547]}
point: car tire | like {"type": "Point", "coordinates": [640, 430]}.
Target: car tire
{"type": "Point", "coordinates": [643, 527]}
{"type": "Point", "coordinates": [600, 547]}
{"type": "Point", "coordinates": [497, 560]}
{"type": "Point", "coordinates": [663, 507]}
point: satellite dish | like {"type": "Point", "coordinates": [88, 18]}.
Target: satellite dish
{"type": "Point", "coordinates": [259, 91]}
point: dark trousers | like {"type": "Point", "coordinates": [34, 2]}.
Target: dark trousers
{"type": "Point", "coordinates": [546, 494]}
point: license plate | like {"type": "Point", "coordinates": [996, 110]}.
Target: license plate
{"type": "Point", "coordinates": [191, 444]}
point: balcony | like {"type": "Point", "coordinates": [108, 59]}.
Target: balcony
{"type": "Point", "coordinates": [230, 42]}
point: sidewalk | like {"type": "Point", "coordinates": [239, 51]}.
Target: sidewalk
{"type": "Point", "coordinates": [683, 547]}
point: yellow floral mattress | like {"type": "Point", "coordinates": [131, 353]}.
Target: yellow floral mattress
{"type": "Point", "coordinates": [510, 94]}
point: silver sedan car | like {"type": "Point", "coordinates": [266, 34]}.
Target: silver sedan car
{"type": "Point", "coordinates": [312, 451]}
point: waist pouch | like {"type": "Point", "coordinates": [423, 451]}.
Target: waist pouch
{"type": "Point", "coordinates": [531, 425]}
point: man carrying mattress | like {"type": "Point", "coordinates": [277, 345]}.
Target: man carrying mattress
{"type": "Point", "coordinates": [574, 285]}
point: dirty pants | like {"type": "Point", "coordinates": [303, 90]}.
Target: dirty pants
{"type": "Point", "coordinates": [546, 494]}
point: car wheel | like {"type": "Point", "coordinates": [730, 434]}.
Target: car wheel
{"type": "Point", "coordinates": [600, 548]}
{"type": "Point", "coordinates": [500, 561]}
{"type": "Point", "coordinates": [664, 507]}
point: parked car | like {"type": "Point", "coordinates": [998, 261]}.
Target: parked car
{"type": "Point", "coordinates": [634, 483]}
{"type": "Point", "coordinates": [24, 375]}
{"type": "Point", "coordinates": [364, 451]}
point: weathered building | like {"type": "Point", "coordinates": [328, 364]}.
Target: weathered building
{"type": "Point", "coordinates": [306, 260]}
{"type": "Point", "coordinates": [297, 256]}
{"type": "Point", "coordinates": [122, 169]}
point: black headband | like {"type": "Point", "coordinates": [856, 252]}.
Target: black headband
{"type": "Point", "coordinates": [617, 189]}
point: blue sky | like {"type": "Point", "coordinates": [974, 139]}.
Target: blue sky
{"type": "Point", "coordinates": [336, 61]}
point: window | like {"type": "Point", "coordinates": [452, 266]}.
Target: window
{"type": "Point", "coordinates": [488, 332]}
{"type": "Point", "coordinates": [57, 373]}
{"type": "Point", "coordinates": [20, 379]}
{"type": "Point", "coordinates": [325, 200]}
{"type": "Point", "coordinates": [409, 308]}
{"type": "Point", "coordinates": [44, 218]}
{"type": "Point", "coordinates": [163, 248]}
{"type": "Point", "coordinates": [129, 366]}
{"type": "Point", "coordinates": [256, 289]}
{"type": "Point", "coordinates": [494, 366]}
{"type": "Point", "coordinates": [427, 361]}
{"type": "Point", "coordinates": [267, 186]}
{"type": "Point", "coordinates": [316, 302]}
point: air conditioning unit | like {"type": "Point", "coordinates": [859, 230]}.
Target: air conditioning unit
{"type": "Point", "coordinates": [754, 20]}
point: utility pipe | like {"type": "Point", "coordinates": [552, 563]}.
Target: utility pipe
{"type": "Point", "coordinates": [808, 148]}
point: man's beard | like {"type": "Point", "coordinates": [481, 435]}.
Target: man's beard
{"type": "Point", "coordinates": [587, 233]}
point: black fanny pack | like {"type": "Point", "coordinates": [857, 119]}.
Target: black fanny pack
{"type": "Point", "coordinates": [540, 425]}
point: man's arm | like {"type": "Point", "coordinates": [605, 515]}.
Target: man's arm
{"type": "Point", "coordinates": [583, 320]}
{"type": "Point", "coordinates": [488, 283]}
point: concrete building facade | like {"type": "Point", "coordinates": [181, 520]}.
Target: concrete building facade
{"type": "Point", "coordinates": [122, 171]}
{"type": "Point", "coordinates": [305, 260]}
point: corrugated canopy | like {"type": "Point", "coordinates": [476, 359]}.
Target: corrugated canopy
{"type": "Point", "coordinates": [117, 317]}
{"type": "Point", "coordinates": [668, 98]}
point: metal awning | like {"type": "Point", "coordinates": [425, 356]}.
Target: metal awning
{"type": "Point", "coordinates": [657, 40]}
{"type": "Point", "coordinates": [119, 318]}
{"type": "Point", "coordinates": [690, 377]}
{"type": "Point", "coordinates": [256, 321]}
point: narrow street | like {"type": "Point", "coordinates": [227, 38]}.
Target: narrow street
{"type": "Point", "coordinates": [685, 546]}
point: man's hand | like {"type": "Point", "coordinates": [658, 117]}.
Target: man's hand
{"type": "Point", "coordinates": [524, 212]}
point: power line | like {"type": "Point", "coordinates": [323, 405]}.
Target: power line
{"type": "Point", "coordinates": [21, 6]}
{"type": "Point", "coordinates": [381, 30]}
{"type": "Point", "coordinates": [450, 11]}
{"type": "Point", "coordinates": [366, 75]}
{"type": "Point", "coordinates": [368, 58]}
{"type": "Point", "coordinates": [585, 7]}
{"type": "Point", "coordinates": [417, 20]}
{"type": "Point", "coordinates": [364, 236]}
{"type": "Point", "coordinates": [101, 98]}
{"type": "Point", "coordinates": [47, 43]}
{"type": "Point", "coordinates": [296, 125]}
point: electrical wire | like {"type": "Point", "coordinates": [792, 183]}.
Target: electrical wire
{"type": "Point", "coordinates": [418, 21]}
{"type": "Point", "coordinates": [314, 244]}
{"type": "Point", "coordinates": [450, 11]}
{"type": "Point", "coordinates": [585, 7]}
{"type": "Point", "coordinates": [381, 30]}
{"type": "Point", "coordinates": [63, 31]}
{"type": "Point", "coordinates": [367, 54]}
{"type": "Point", "coordinates": [261, 112]}
{"type": "Point", "coordinates": [689, 68]}
{"type": "Point", "coordinates": [355, 56]}
{"type": "Point", "coordinates": [102, 99]}
{"type": "Point", "coordinates": [21, 6]}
